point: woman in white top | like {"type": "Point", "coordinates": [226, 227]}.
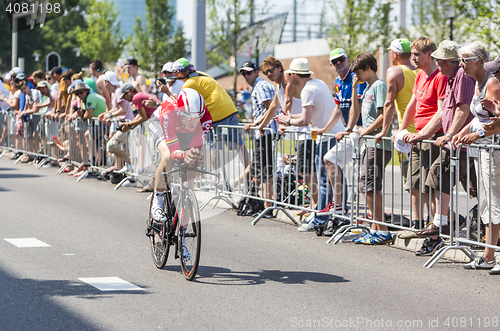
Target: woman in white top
{"type": "Point", "coordinates": [472, 59]}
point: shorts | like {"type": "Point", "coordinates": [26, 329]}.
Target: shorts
{"type": "Point", "coordinates": [231, 135]}
{"type": "Point", "coordinates": [117, 142]}
{"type": "Point", "coordinates": [439, 175]}
{"type": "Point", "coordinates": [371, 175]}
{"type": "Point", "coordinates": [156, 130]}
{"type": "Point", "coordinates": [419, 165]}
{"type": "Point", "coordinates": [341, 153]}
{"type": "Point", "coordinates": [262, 163]}
{"type": "Point", "coordinates": [305, 156]}
{"type": "Point", "coordinates": [489, 186]}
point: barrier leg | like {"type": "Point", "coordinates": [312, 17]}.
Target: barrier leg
{"type": "Point", "coordinates": [440, 253]}
{"type": "Point", "coordinates": [262, 213]}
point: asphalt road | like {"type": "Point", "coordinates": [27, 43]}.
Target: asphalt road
{"type": "Point", "coordinates": [263, 277]}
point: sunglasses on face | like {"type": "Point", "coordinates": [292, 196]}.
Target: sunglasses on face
{"type": "Point", "coordinates": [463, 60]}
{"type": "Point", "coordinates": [80, 93]}
{"type": "Point", "coordinates": [270, 70]}
{"type": "Point", "coordinates": [246, 73]}
{"type": "Point", "coordinates": [339, 60]}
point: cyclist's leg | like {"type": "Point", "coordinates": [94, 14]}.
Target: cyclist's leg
{"type": "Point", "coordinates": [165, 164]}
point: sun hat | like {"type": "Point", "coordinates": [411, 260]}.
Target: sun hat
{"type": "Point", "coordinates": [299, 66]}
{"type": "Point", "coordinates": [80, 86]}
{"type": "Point", "coordinates": [43, 83]}
{"type": "Point", "coordinates": [447, 50]}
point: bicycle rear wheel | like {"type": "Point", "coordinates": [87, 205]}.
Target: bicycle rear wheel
{"type": "Point", "coordinates": [189, 236]}
{"type": "Point", "coordinates": [158, 240]}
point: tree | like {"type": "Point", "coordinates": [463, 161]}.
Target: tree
{"type": "Point", "coordinates": [181, 46]}
{"type": "Point", "coordinates": [383, 27]}
{"type": "Point", "coordinates": [225, 32]}
{"type": "Point", "coordinates": [478, 20]}
{"type": "Point", "coordinates": [430, 19]}
{"type": "Point", "coordinates": [102, 38]}
{"type": "Point", "coordinates": [354, 28]}
{"type": "Point", "coordinates": [152, 43]}
{"type": "Point", "coordinates": [61, 35]}
{"type": "Point", "coordinates": [57, 34]}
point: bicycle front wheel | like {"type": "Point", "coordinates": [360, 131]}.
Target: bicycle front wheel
{"type": "Point", "coordinates": [158, 240]}
{"type": "Point", "coordinates": [189, 236]}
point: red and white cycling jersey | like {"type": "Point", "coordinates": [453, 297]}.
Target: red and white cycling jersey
{"type": "Point", "coordinates": [171, 124]}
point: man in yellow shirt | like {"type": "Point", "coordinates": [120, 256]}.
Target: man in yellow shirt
{"type": "Point", "coordinates": [218, 102]}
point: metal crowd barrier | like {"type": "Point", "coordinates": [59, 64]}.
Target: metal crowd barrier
{"type": "Point", "coordinates": [294, 184]}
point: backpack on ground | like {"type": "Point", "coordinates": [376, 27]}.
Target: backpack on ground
{"type": "Point", "coordinates": [247, 205]}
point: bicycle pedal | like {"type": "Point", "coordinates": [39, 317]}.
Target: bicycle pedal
{"type": "Point", "coordinates": [149, 232]}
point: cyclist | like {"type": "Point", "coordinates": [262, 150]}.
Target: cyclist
{"type": "Point", "coordinates": [178, 128]}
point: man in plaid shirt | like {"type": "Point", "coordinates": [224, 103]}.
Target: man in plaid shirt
{"type": "Point", "coordinates": [261, 167]}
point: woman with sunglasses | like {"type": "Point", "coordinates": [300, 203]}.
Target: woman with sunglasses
{"type": "Point", "coordinates": [472, 58]}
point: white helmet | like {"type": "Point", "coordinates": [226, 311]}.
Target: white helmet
{"type": "Point", "coordinates": [190, 103]}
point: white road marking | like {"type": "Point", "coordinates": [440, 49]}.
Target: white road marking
{"type": "Point", "coordinates": [27, 242]}
{"type": "Point", "coordinates": [110, 284]}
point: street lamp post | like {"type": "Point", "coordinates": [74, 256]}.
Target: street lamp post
{"type": "Point", "coordinates": [451, 16]}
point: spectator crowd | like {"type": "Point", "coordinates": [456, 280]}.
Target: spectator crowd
{"type": "Point", "coordinates": [444, 96]}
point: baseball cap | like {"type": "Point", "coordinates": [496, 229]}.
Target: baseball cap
{"type": "Point", "coordinates": [493, 65]}
{"type": "Point", "coordinates": [15, 71]}
{"type": "Point", "coordinates": [180, 64]}
{"type": "Point", "coordinates": [447, 50]}
{"type": "Point", "coordinates": [131, 61]}
{"type": "Point", "coordinates": [168, 67]}
{"type": "Point", "coordinates": [20, 76]}
{"type": "Point", "coordinates": [248, 66]}
{"type": "Point", "coordinates": [337, 52]}
{"type": "Point", "coordinates": [110, 76]}
{"type": "Point", "coordinates": [400, 46]}
{"type": "Point", "coordinates": [125, 88]}
{"type": "Point", "coordinates": [56, 70]}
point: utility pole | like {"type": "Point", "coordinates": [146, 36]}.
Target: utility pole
{"type": "Point", "coordinates": [198, 51]}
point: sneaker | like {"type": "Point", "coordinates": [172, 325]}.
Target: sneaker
{"type": "Point", "coordinates": [363, 238]}
{"type": "Point", "coordinates": [332, 208]}
{"type": "Point", "coordinates": [479, 263]}
{"type": "Point", "coordinates": [126, 168]}
{"type": "Point", "coordinates": [430, 246]}
{"type": "Point", "coordinates": [158, 214]}
{"type": "Point", "coordinates": [306, 227]}
{"type": "Point", "coordinates": [376, 238]}
{"type": "Point", "coordinates": [186, 256]}
{"type": "Point", "coordinates": [495, 270]}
